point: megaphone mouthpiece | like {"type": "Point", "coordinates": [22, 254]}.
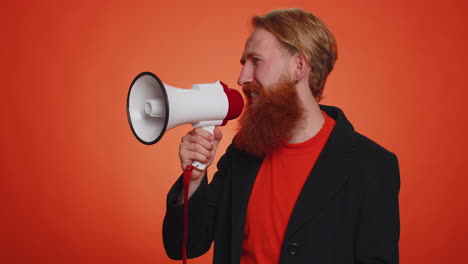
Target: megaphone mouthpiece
{"type": "Point", "coordinates": [236, 103]}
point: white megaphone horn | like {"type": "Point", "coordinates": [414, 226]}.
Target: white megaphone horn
{"type": "Point", "coordinates": [154, 107]}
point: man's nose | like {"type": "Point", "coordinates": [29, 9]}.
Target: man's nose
{"type": "Point", "coordinates": [245, 76]}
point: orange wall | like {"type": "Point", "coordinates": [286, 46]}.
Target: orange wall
{"type": "Point", "coordinates": [77, 187]}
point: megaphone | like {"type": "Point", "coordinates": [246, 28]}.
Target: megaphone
{"type": "Point", "coordinates": [154, 107]}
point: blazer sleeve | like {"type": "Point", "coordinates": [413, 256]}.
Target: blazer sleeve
{"type": "Point", "coordinates": [378, 230]}
{"type": "Point", "coordinates": [202, 216]}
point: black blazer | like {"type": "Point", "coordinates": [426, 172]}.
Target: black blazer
{"type": "Point", "coordinates": [347, 211]}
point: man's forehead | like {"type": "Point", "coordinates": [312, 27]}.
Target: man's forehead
{"type": "Point", "coordinates": [260, 37]}
{"type": "Point", "coordinates": [258, 42]}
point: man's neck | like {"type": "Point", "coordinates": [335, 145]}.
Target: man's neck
{"type": "Point", "coordinates": [313, 119]}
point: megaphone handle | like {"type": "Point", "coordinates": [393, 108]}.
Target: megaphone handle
{"type": "Point", "coordinates": [198, 165]}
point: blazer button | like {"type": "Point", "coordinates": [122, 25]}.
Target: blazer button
{"type": "Point", "coordinates": [292, 248]}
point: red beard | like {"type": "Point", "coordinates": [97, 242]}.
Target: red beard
{"type": "Point", "coordinates": [269, 121]}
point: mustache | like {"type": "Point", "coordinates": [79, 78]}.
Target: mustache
{"type": "Point", "coordinates": [253, 88]}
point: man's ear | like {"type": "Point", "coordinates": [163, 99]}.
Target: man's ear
{"type": "Point", "coordinates": [302, 67]}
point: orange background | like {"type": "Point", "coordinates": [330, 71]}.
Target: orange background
{"type": "Point", "coordinates": [77, 187]}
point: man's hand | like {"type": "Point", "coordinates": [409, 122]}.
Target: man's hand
{"type": "Point", "coordinates": [199, 145]}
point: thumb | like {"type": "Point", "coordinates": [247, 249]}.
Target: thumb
{"type": "Point", "coordinates": [217, 134]}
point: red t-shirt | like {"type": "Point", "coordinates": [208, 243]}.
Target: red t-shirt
{"type": "Point", "coordinates": [276, 189]}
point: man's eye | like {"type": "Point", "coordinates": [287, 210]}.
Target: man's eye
{"type": "Point", "coordinates": [256, 60]}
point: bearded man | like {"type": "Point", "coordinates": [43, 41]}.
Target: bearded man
{"type": "Point", "coordinates": [298, 184]}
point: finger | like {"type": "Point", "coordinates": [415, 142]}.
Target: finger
{"type": "Point", "coordinates": [202, 132]}
{"type": "Point", "coordinates": [195, 147]}
{"type": "Point", "coordinates": [200, 154]}
{"type": "Point", "coordinates": [198, 139]}
{"type": "Point", "coordinates": [195, 156]}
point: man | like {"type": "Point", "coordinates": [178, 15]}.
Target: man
{"type": "Point", "coordinates": [298, 184]}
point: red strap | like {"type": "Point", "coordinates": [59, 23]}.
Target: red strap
{"type": "Point", "coordinates": [186, 181]}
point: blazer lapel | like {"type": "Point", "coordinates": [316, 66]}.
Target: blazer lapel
{"type": "Point", "coordinates": [243, 177]}
{"type": "Point", "coordinates": [328, 175]}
